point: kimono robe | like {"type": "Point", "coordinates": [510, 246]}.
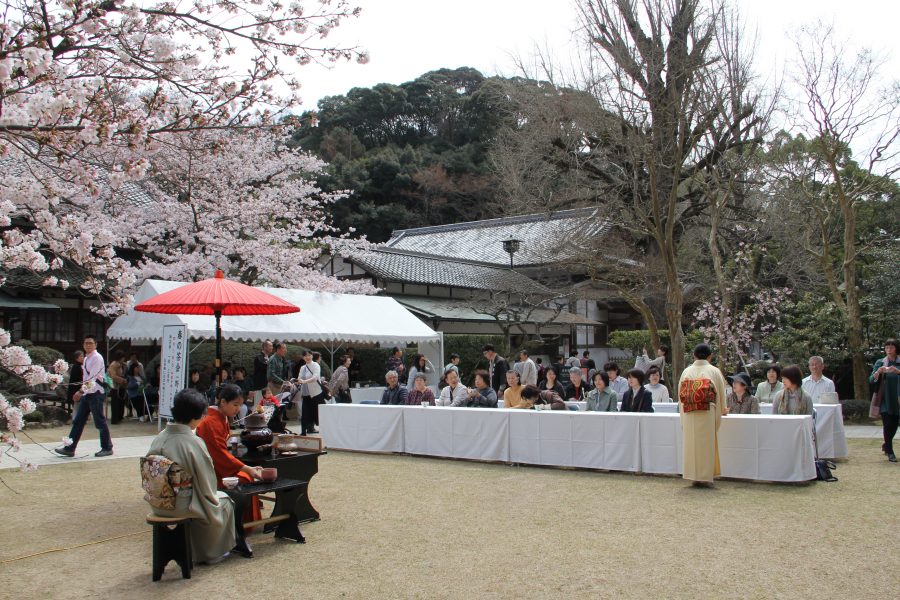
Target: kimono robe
{"type": "Point", "coordinates": [212, 531]}
{"type": "Point", "coordinates": [215, 431]}
{"type": "Point", "coordinates": [700, 427]}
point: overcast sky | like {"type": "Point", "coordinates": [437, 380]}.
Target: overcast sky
{"type": "Point", "coordinates": [409, 37]}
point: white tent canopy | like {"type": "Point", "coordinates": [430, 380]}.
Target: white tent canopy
{"type": "Point", "coordinates": [323, 317]}
{"type": "Point", "coordinates": [330, 319]}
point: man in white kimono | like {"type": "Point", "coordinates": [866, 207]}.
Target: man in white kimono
{"type": "Point", "coordinates": [700, 427]}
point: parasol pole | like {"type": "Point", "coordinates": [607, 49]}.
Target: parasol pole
{"type": "Point", "coordinates": [218, 314]}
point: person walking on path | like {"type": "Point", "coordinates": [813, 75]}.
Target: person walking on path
{"type": "Point", "coordinates": [90, 401]}
{"type": "Point", "coordinates": [886, 375]}
{"type": "Point", "coordinates": [702, 402]}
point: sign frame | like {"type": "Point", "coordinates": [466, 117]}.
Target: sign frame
{"type": "Point", "coordinates": [173, 366]}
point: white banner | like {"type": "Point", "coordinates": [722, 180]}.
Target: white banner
{"type": "Point", "coordinates": [174, 363]}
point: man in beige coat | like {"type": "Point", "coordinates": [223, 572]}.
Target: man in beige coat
{"type": "Point", "coordinates": [700, 427]}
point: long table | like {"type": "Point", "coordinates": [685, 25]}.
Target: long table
{"type": "Point", "coordinates": [830, 434]}
{"type": "Point", "coordinates": [756, 447]}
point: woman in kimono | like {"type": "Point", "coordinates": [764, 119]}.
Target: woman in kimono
{"type": "Point", "coordinates": [215, 430]}
{"type": "Point", "coordinates": [212, 531]}
{"type": "Point", "coordinates": [700, 427]}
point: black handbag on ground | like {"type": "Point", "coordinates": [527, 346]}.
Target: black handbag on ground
{"type": "Point", "coordinates": [823, 470]}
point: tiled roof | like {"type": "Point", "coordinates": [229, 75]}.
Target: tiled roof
{"type": "Point", "coordinates": [450, 309]}
{"type": "Point", "coordinates": [409, 267]}
{"type": "Point", "coordinates": [129, 192]}
{"type": "Point", "coordinates": [545, 238]}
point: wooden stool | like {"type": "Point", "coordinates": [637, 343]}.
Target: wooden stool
{"type": "Point", "coordinates": [171, 541]}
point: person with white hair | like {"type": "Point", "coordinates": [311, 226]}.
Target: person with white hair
{"type": "Point", "coordinates": [394, 393]}
{"type": "Point", "coordinates": [817, 384]}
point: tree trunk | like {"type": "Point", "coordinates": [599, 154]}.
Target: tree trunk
{"type": "Point", "coordinates": [855, 332]}
{"type": "Point", "coordinates": [674, 306]}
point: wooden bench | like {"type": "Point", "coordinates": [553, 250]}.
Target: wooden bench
{"type": "Point", "coordinates": [171, 541]}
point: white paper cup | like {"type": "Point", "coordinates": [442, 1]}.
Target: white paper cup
{"type": "Point", "coordinates": [425, 404]}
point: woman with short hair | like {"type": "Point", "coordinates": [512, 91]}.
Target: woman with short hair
{"type": "Point", "coordinates": [637, 398]}
{"type": "Point", "coordinates": [601, 398]}
{"type": "Point", "coordinates": [212, 529]}
{"type": "Point", "coordinates": [659, 392]}
{"type": "Point", "coordinates": [512, 395]}
{"type": "Point", "coordinates": [420, 393]}
{"type": "Point", "coordinates": [453, 391]}
{"type": "Point", "coordinates": [792, 400]}
{"type": "Point", "coordinates": [483, 395]}
{"type": "Point", "coordinates": [766, 390]}
{"type": "Point", "coordinates": [420, 364]}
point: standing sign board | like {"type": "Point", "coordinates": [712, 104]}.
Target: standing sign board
{"type": "Point", "coordinates": [173, 365]}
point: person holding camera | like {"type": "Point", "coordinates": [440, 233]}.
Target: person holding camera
{"type": "Point", "coordinates": [90, 401]}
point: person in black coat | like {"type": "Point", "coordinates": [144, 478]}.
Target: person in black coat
{"type": "Point", "coordinates": [261, 366]}
{"type": "Point", "coordinates": [576, 389]}
{"type": "Point", "coordinates": [76, 378]}
{"type": "Point", "coordinates": [637, 398]}
{"type": "Point", "coordinates": [497, 367]}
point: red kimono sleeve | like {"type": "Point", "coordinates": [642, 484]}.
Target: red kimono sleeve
{"type": "Point", "coordinates": [214, 431]}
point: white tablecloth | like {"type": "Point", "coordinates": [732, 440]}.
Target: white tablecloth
{"type": "Point", "coordinates": [759, 447]}
{"type": "Point", "coordinates": [369, 427]}
{"type": "Point", "coordinates": [357, 395]}
{"type": "Point", "coordinates": [473, 433]}
{"type": "Point", "coordinates": [830, 434]}
{"type": "Point", "coordinates": [609, 441]}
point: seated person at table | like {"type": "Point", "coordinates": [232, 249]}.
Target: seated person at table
{"type": "Point", "coordinates": [420, 392]}
{"type": "Point", "coordinates": [637, 398]}
{"type": "Point", "coordinates": [212, 531]}
{"type": "Point", "coordinates": [214, 429]}
{"type": "Point", "coordinates": [394, 393]}
{"type": "Point", "coordinates": [659, 391]}
{"type": "Point", "coordinates": [577, 389]}
{"type": "Point", "coordinates": [453, 391]}
{"type": "Point", "coordinates": [617, 384]}
{"type": "Point", "coordinates": [483, 396]}
{"type": "Point", "coordinates": [766, 390]}
{"type": "Point", "coordinates": [552, 383]}
{"type": "Point", "coordinates": [792, 400]}
{"type": "Point", "coordinates": [740, 402]}
{"type": "Point", "coordinates": [512, 395]}
{"type": "Point", "coordinates": [548, 398]}
{"type": "Point", "coordinates": [601, 398]}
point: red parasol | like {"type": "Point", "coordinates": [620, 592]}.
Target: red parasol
{"type": "Point", "coordinates": [217, 296]}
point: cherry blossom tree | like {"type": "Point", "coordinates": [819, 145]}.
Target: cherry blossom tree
{"type": "Point", "coordinates": [15, 361]}
{"type": "Point", "coordinates": [743, 309]}
{"type": "Point", "coordinates": [91, 90]}
{"type": "Point", "coordinates": [242, 201]}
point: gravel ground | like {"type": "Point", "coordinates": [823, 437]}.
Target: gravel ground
{"type": "Point", "coordinates": [408, 527]}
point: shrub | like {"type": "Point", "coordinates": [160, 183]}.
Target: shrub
{"type": "Point", "coordinates": [34, 417]}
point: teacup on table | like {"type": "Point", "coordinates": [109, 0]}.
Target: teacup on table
{"type": "Point", "coordinates": [269, 474]}
{"type": "Point", "coordinates": [230, 482]}
{"type": "Point", "coordinates": [425, 404]}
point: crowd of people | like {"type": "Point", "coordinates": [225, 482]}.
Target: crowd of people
{"type": "Point", "coordinates": [525, 384]}
{"type": "Point", "coordinates": [205, 459]}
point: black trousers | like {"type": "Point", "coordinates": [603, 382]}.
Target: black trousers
{"type": "Point", "coordinates": [309, 412]}
{"type": "Point", "coordinates": [117, 405]}
{"type": "Point", "coordinates": [890, 423]}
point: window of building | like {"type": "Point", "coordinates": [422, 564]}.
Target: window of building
{"type": "Point", "coordinates": [45, 326]}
